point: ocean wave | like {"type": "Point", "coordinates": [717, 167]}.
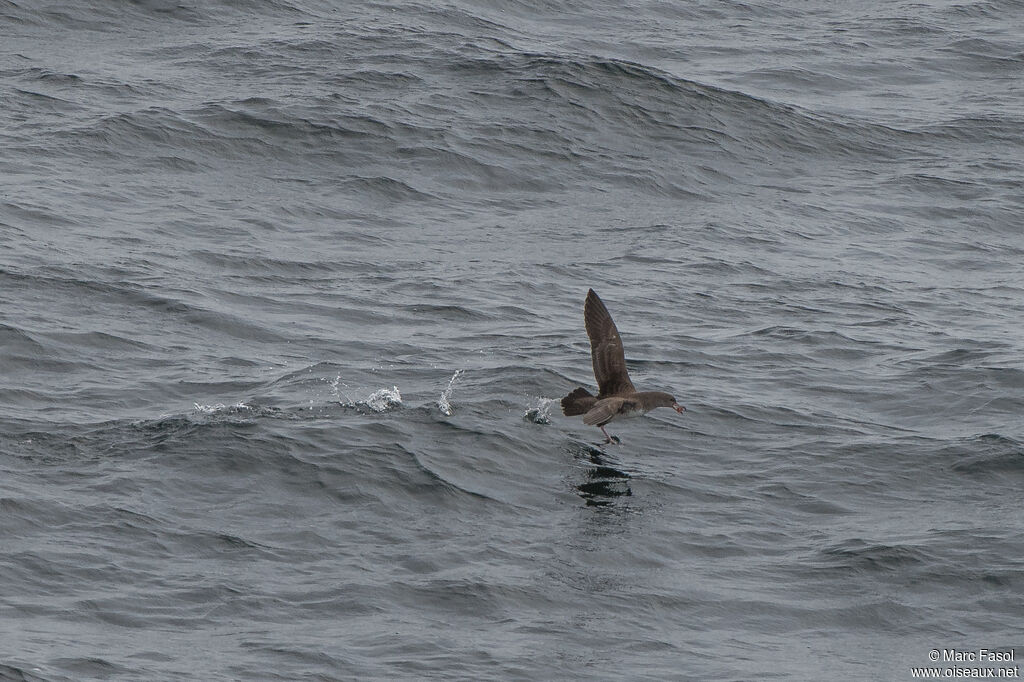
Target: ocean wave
{"type": "Point", "coordinates": [540, 122]}
{"type": "Point", "coordinates": [987, 454]}
{"type": "Point", "coordinates": [862, 555]}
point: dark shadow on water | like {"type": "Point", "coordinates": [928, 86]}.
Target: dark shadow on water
{"type": "Point", "coordinates": [603, 484]}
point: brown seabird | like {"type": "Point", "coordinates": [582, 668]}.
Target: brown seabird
{"type": "Point", "coordinates": [616, 396]}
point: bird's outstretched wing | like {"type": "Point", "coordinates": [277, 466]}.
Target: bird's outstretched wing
{"type": "Point", "coordinates": [605, 349]}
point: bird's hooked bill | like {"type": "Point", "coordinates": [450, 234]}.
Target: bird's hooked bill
{"type": "Point", "coordinates": [678, 408]}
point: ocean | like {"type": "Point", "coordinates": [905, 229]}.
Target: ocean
{"type": "Point", "coordinates": [290, 290]}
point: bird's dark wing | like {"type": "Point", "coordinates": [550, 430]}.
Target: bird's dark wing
{"type": "Point", "coordinates": [605, 349]}
{"type": "Point", "coordinates": [604, 411]}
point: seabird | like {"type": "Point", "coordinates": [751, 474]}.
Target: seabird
{"type": "Point", "coordinates": [616, 396]}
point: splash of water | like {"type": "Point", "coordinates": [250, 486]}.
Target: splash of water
{"type": "Point", "coordinates": [381, 400]}
{"type": "Point", "coordinates": [446, 394]}
{"type": "Point", "coordinates": [221, 407]}
{"type": "Point", "coordinates": [336, 391]}
{"type": "Point", "coordinates": [541, 412]}
{"type": "Point", "coordinates": [384, 399]}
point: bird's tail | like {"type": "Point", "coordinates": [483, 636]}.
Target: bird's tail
{"type": "Point", "coordinates": [578, 402]}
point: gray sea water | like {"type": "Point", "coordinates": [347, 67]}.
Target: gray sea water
{"type": "Point", "coordinates": [289, 291]}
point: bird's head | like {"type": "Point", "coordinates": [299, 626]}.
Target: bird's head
{"type": "Point", "coordinates": [666, 400]}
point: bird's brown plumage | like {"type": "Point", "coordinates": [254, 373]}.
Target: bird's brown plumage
{"type": "Point", "coordinates": [607, 409]}
{"type": "Point", "coordinates": [616, 395]}
{"type": "Point", "coordinates": [605, 349]}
